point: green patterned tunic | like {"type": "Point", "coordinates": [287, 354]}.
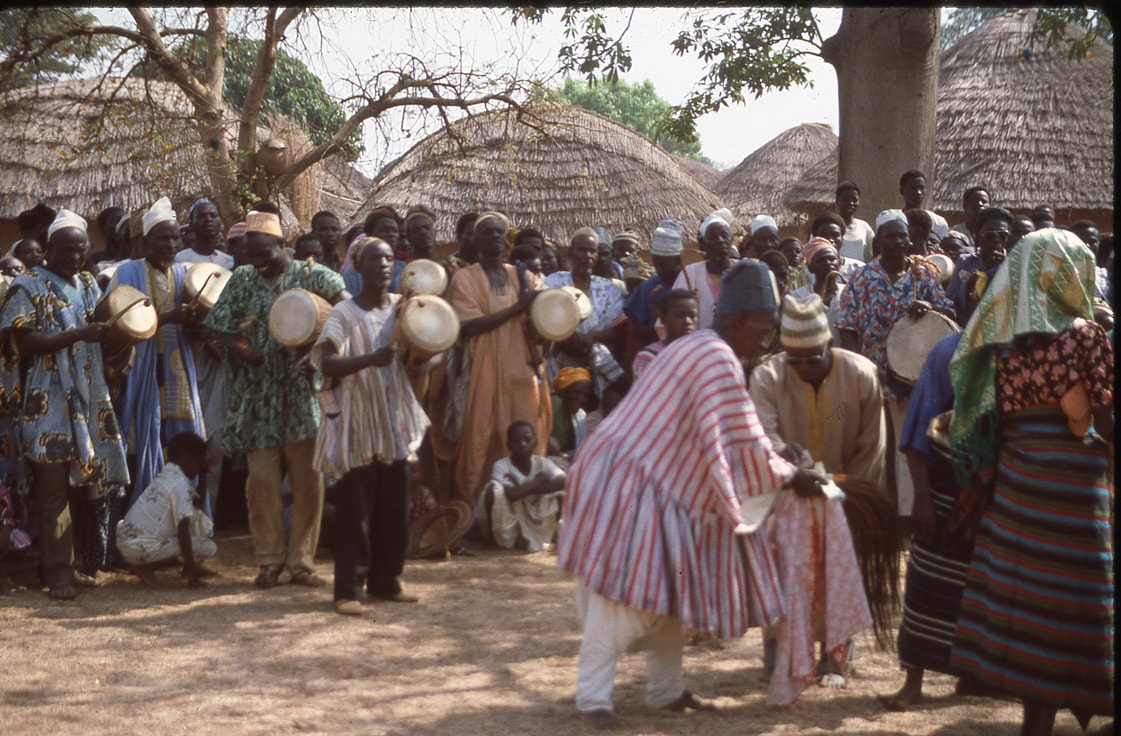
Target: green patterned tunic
{"type": "Point", "coordinates": [273, 404]}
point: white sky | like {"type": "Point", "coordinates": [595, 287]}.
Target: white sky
{"type": "Point", "coordinates": [726, 136]}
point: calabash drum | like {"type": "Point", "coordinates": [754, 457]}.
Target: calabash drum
{"type": "Point", "coordinates": [945, 266]}
{"type": "Point", "coordinates": [428, 325]}
{"type": "Point", "coordinates": [911, 340]}
{"type": "Point", "coordinates": [555, 313]}
{"type": "Point", "coordinates": [202, 285]}
{"type": "Point", "coordinates": [297, 316]}
{"type": "Point", "coordinates": [131, 318]}
{"type": "Point", "coordinates": [423, 276]}
{"type": "Point", "coordinates": [582, 301]}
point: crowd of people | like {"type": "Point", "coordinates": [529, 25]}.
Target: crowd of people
{"type": "Point", "coordinates": [696, 451]}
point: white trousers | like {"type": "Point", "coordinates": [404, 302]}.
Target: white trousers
{"type": "Point", "coordinates": [610, 630]}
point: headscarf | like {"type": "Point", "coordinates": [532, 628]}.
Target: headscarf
{"type": "Point", "coordinates": [237, 230]}
{"type": "Point", "coordinates": [415, 213]}
{"type": "Point", "coordinates": [585, 232]}
{"type": "Point", "coordinates": [748, 286]}
{"type": "Point", "coordinates": [199, 203]}
{"type": "Point", "coordinates": [888, 216]}
{"type": "Point", "coordinates": [356, 250]}
{"type": "Point", "coordinates": [348, 259]}
{"type": "Point", "coordinates": [493, 216]}
{"type": "Point", "coordinates": [12, 251]}
{"type": "Point", "coordinates": [815, 246]}
{"type": "Point", "coordinates": [66, 218]}
{"type": "Point", "coordinates": [570, 375]}
{"type": "Point", "coordinates": [602, 236]}
{"type": "Point", "coordinates": [763, 221]}
{"type": "Point", "coordinates": [1045, 283]}
{"type": "Point", "coordinates": [723, 215]}
{"type": "Point", "coordinates": [161, 211]}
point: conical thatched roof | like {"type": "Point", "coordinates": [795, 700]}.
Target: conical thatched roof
{"type": "Point", "coordinates": [558, 169]}
{"type": "Point", "coordinates": [65, 144]}
{"type": "Point", "coordinates": [91, 143]}
{"type": "Point", "coordinates": [1036, 130]}
{"type": "Point", "coordinates": [708, 176]}
{"type": "Point", "coordinates": [756, 185]}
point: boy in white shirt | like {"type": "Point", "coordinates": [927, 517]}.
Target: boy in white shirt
{"type": "Point", "coordinates": [166, 520]}
{"type": "Point", "coordinates": [523, 499]}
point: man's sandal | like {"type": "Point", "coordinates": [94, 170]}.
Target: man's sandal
{"type": "Point", "coordinates": [268, 576]}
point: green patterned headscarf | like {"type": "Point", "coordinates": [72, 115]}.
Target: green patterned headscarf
{"type": "Point", "coordinates": [1045, 284]}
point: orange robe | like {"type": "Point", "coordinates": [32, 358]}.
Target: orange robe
{"type": "Point", "coordinates": [503, 386]}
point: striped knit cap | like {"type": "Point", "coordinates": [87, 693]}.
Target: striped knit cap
{"type": "Point", "coordinates": [804, 324]}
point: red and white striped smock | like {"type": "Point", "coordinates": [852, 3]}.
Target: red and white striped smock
{"type": "Point", "coordinates": [654, 494]}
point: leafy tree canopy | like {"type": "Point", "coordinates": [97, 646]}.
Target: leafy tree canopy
{"type": "Point", "coordinates": [292, 89]}
{"type": "Point", "coordinates": [636, 106]}
{"type": "Point", "coordinates": [22, 28]}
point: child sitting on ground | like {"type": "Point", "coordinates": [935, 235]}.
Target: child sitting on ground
{"type": "Point", "coordinates": [167, 521]}
{"type": "Point", "coordinates": [521, 505]}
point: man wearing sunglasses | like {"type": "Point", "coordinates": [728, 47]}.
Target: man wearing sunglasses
{"type": "Point", "coordinates": [828, 401]}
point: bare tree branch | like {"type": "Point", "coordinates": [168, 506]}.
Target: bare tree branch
{"type": "Point", "coordinates": [266, 61]}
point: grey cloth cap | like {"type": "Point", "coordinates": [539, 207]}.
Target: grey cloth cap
{"type": "Point", "coordinates": [748, 286]}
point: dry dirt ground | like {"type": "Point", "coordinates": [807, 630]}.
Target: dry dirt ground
{"type": "Point", "coordinates": [490, 649]}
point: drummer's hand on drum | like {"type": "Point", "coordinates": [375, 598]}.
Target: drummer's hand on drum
{"type": "Point", "coordinates": [240, 348]}
{"type": "Point", "coordinates": [382, 357]}
{"type": "Point", "coordinates": [91, 332]}
{"type": "Point", "coordinates": [526, 298]}
{"type": "Point", "coordinates": [178, 316]}
{"type": "Point", "coordinates": [918, 308]}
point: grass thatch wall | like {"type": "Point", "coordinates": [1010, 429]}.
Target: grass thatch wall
{"type": "Point", "coordinates": [559, 168]}
{"type": "Point", "coordinates": [1038, 129]}
{"type": "Point", "coordinates": [756, 185]}
{"type": "Point", "coordinates": [88, 144]}
{"type": "Point", "coordinates": [1035, 130]}
{"type": "Point", "coordinates": [708, 176]}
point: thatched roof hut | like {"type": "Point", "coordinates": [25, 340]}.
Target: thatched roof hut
{"type": "Point", "coordinates": [1035, 127]}
{"type": "Point", "coordinates": [555, 167]}
{"type": "Point", "coordinates": [92, 143]}
{"type": "Point", "coordinates": [756, 185]}
{"type": "Point", "coordinates": [708, 176]}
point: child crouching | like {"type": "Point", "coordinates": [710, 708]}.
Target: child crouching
{"type": "Point", "coordinates": [166, 521]}
{"type": "Point", "coordinates": [521, 505]}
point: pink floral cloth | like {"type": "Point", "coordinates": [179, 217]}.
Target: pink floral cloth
{"type": "Point", "coordinates": [821, 587]}
{"type": "Point", "coordinates": [1040, 376]}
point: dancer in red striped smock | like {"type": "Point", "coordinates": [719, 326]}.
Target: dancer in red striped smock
{"type": "Point", "coordinates": [653, 506]}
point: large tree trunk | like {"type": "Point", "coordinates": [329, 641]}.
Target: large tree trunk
{"type": "Point", "coordinates": [887, 83]}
